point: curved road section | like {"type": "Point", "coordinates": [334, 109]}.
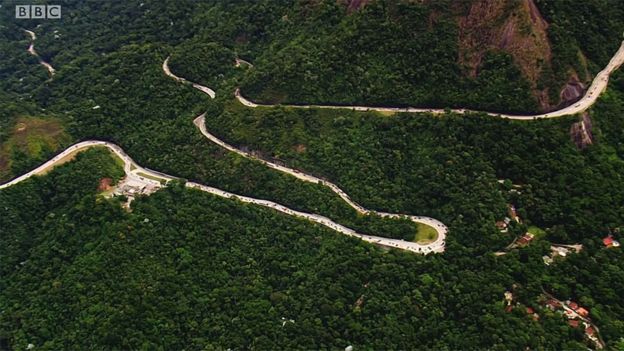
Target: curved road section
{"type": "Point", "coordinates": [203, 89]}
{"type": "Point", "coordinates": [599, 84]}
{"type": "Point", "coordinates": [132, 169]}
{"type": "Point", "coordinates": [441, 229]}
{"type": "Point", "coordinates": [436, 246]}
{"type": "Point", "coordinates": [31, 50]}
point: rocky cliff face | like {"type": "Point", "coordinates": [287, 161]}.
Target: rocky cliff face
{"type": "Point", "coordinates": [573, 90]}
{"type": "Point", "coordinates": [515, 27]}
{"type": "Point", "coordinates": [518, 28]}
{"type": "Point", "coordinates": [581, 132]}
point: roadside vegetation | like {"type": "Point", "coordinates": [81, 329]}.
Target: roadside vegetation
{"type": "Point", "coordinates": [425, 234]}
{"type": "Point", "coordinates": [186, 270]}
{"type": "Point", "coordinates": [31, 141]}
{"type": "Point", "coordinates": [78, 271]}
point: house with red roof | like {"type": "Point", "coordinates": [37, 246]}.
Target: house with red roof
{"type": "Point", "coordinates": [582, 312]}
{"type": "Point", "coordinates": [525, 239]}
{"type": "Point", "coordinates": [610, 242]}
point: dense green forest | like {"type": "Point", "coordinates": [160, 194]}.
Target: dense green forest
{"type": "Point", "coordinates": [189, 270]}
{"type": "Point", "coordinates": [393, 53]}
{"type": "Point", "coordinates": [186, 270]}
{"type": "Point", "coordinates": [413, 162]}
{"type": "Point", "coordinates": [385, 56]}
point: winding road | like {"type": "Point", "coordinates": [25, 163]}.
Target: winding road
{"type": "Point", "coordinates": [31, 50]}
{"type": "Point", "coordinates": [599, 84]}
{"type": "Point", "coordinates": [203, 89]}
{"type": "Point", "coordinates": [435, 246]}
{"type": "Point", "coordinates": [132, 169]}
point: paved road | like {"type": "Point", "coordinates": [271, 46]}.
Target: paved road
{"type": "Point", "coordinates": [440, 228]}
{"type": "Point", "coordinates": [133, 169]}
{"type": "Point", "coordinates": [598, 341]}
{"type": "Point", "coordinates": [598, 85]}
{"type": "Point", "coordinates": [31, 50]}
{"type": "Point", "coordinates": [203, 89]}
{"type": "Point", "coordinates": [436, 246]}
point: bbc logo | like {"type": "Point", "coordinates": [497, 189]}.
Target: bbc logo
{"type": "Point", "coordinates": [38, 11]}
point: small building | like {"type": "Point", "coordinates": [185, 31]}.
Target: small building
{"type": "Point", "coordinates": [525, 239]}
{"type": "Point", "coordinates": [573, 305]}
{"type": "Point", "coordinates": [574, 323]}
{"type": "Point", "coordinates": [582, 312]}
{"type": "Point", "coordinates": [610, 242]}
{"type": "Point", "coordinates": [590, 331]}
{"type": "Point", "coordinates": [547, 260]}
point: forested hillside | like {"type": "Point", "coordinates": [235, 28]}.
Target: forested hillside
{"type": "Point", "coordinates": [487, 55]}
{"type": "Point", "coordinates": [186, 270]}
{"type": "Point", "coordinates": [414, 162]}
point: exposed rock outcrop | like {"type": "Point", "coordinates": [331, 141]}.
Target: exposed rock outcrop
{"type": "Point", "coordinates": [513, 26]}
{"type": "Point", "coordinates": [518, 28]}
{"type": "Point", "coordinates": [581, 132]}
{"type": "Point", "coordinates": [572, 91]}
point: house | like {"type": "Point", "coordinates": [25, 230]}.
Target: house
{"type": "Point", "coordinates": [574, 323]}
{"type": "Point", "coordinates": [547, 260]}
{"type": "Point", "coordinates": [573, 305]}
{"type": "Point", "coordinates": [590, 331]}
{"type": "Point", "coordinates": [582, 312]}
{"type": "Point", "coordinates": [592, 335]}
{"type": "Point", "coordinates": [525, 239]}
{"type": "Point", "coordinates": [610, 242]}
